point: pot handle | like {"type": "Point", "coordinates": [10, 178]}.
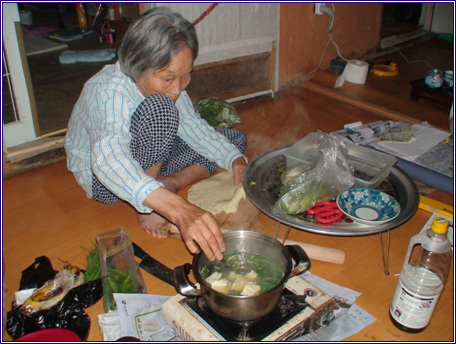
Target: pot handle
{"type": "Point", "coordinates": [302, 261]}
{"type": "Point", "coordinates": [183, 284]}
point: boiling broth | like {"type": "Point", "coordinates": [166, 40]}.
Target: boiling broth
{"type": "Point", "coordinates": [242, 274]}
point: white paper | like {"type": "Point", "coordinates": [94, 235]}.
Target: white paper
{"type": "Point", "coordinates": [341, 294]}
{"type": "Point", "coordinates": [110, 326]}
{"type": "Point", "coordinates": [440, 158]}
{"type": "Point", "coordinates": [343, 327]}
{"type": "Point", "coordinates": [350, 318]}
{"type": "Point", "coordinates": [426, 137]}
{"type": "Point", "coordinates": [140, 317]}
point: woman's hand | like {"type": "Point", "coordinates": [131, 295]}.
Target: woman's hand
{"type": "Point", "coordinates": [199, 230]}
{"type": "Point", "coordinates": [239, 166]}
{"type": "Point", "coordinates": [197, 227]}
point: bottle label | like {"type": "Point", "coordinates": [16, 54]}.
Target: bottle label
{"type": "Point", "coordinates": [412, 310]}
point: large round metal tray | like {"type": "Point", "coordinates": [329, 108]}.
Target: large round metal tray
{"type": "Point", "coordinates": [262, 183]}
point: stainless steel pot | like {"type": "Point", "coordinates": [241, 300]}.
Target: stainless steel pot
{"type": "Point", "coordinates": [244, 308]}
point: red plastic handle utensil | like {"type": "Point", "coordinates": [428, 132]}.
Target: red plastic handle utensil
{"type": "Point", "coordinates": [326, 212]}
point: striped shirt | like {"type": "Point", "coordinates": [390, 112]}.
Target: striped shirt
{"type": "Point", "coordinates": [98, 137]}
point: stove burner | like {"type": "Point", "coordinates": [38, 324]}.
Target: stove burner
{"type": "Point", "coordinates": [289, 306]}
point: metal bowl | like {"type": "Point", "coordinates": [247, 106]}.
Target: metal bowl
{"type": "Point", "coordinates": [262, 185]}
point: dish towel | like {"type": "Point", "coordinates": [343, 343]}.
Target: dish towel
{"type": "Point", "coordinates": [73, 56]}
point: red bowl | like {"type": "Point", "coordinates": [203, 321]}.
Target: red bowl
{"type": "Point", "coordinates": [50, 335]}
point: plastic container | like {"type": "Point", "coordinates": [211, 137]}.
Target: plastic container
{"type": "Point", "coordinates": [422, 280]}
{"type": "Point", "coordinates": [119, 271]}
{"type": "Point", "coordinates": [370, 167]}
{"type": "Point", "coordinates": [337, 66]}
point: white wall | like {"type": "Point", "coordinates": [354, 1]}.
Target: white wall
{"type": "Point", "coordinates": [232, 29]}
{"type": "Point", "coordinates": [443, 18]}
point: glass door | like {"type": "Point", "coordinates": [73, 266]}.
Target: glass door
{"type": "Point", "coordinates": [17, 95]}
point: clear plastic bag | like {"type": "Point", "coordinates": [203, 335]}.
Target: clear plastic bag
{"type": "Point", "coordinates": [320, 178]}
{"type": "Point", "coordinates": [119, 271]}
{"type": "Point", "coordinates": [218, 112]}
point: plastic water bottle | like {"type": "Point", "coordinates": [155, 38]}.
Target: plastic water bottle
{"type": "Point", "coordinates": [422, 279]}
{"type": "Point", "coordinates": [82, 18]}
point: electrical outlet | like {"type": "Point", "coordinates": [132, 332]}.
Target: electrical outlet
{"type": "Point", "coordinates": [318, 7]}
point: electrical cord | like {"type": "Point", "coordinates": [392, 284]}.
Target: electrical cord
{"type": "Point", "coordinates": [331, 13]}
{"type": "Point", "coordinates": [330, 41]}
{"type": "Point", "coordinates": [416, 61]}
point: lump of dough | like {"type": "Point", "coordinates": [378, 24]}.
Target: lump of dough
{"type": "Point", "coordinates": [217, 193]}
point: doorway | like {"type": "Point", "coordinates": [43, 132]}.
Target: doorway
{"type": "Point", "coordinates": [400, 18]}
{"type": "Point", "coordinates": [403, 22]}
{"type": "Point", "coordinates": [57, 85]}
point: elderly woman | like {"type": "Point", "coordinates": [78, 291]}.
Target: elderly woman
{"type": "Point", "coordinates": [134, 136]}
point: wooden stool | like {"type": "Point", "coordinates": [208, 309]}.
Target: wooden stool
{"type": "Point", "coordinates": [442, 96]}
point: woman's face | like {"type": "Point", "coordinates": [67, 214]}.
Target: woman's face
{"type": "Point", "coordinates": [172, 79]}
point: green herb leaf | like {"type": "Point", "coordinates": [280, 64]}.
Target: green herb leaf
{"type": "Point", "coordinates": [93, 270]}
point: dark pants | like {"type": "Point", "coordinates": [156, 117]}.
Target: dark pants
{"type": "Point", "coordinates": [154, 140]}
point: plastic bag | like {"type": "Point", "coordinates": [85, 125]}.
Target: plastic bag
{"type": "Point", "coordinates": [67, 314]}
{"type": "Point", "coordinates": [119, 271]}
{"type": "Point", "coordinates": [218, 113]}
{"type": "Point", "coordinates": [326, 174]}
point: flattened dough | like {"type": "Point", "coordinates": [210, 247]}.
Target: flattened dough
{"type": "Point", "coordinates": [217, 193]}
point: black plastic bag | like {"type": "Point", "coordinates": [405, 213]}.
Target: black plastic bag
{"type": "Point", "coordinates": [37, 274]}
{"type": "Point", "coordinates": [67, 314]}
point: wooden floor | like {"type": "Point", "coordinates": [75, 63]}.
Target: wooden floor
{"type": "Point", "coordinates": [46, 213]}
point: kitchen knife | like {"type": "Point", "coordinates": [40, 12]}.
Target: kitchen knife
{"type": "Point", "coordinates": [153, 266]}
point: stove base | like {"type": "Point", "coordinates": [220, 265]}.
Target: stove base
{"type": "Point", "coordinates": [318, 312]}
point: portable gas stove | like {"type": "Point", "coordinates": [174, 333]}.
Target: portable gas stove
{"type": "Point", "coordinates": [303, 308]}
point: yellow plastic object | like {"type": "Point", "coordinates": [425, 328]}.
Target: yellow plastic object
{"type": "Point", "coordinates": [439, 225]}
{"type": "Point", "coordinates": [434, 206]}
{"type": "Point", "coordinates": [385, 70]}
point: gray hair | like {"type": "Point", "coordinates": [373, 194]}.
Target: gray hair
{"type": "Point", "coordinates": [153, 40]}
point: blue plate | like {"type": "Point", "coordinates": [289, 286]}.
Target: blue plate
{"type": "Point", "coordinates": [368, 206]}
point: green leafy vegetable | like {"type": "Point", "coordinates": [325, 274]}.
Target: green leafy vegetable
{"type": "Point", "coordinates": [93, 271]}
{"type": "Point", "coordinates": [217, 112]}
{"type": "Point", "coordinates": [297, 199]}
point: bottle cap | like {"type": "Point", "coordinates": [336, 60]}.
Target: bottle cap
{"type": "Point", "coordinates": [439, 225]}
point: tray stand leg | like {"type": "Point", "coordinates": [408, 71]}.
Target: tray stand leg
{"type": "Point", "coordinates": [385, 256]}
{"type": "Point", "coordinates": [286, 235]}
{"type": "Point", "coordinates": [277, 232]}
